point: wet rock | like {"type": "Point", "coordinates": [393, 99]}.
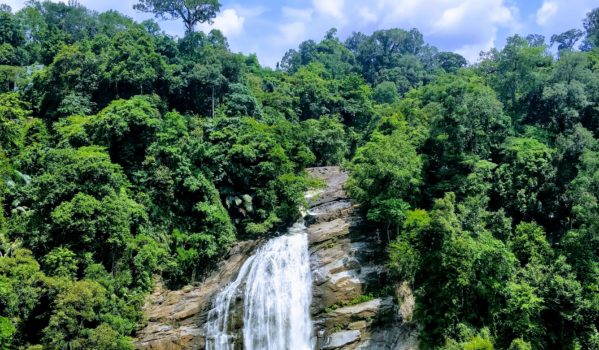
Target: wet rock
{"type": "Point", "coordinates": [340, 339]}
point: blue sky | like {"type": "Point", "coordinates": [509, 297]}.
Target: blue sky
{"type": "Point", "coordinates": [269, 28]}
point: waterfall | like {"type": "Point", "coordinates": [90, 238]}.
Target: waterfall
{"type": "Point", "coordinates": [275, 285]}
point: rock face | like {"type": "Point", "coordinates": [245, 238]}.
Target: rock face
{"type": "Point", "coordinates": [347, 262]}
{"type": "Point", "coordinates": [176, 318]}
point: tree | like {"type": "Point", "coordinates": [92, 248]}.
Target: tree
{"type": "Point", "coordinates": [68, 85]}
{"type": "Point", "coordinates": [529, 243]}
{"type": "Point", "coordinates": [337, 59]}
{"type": "Point", "coordinates": [327, 139]}
{"type": "Point", "coordinates": [241, 103]}
{"type": "Point", "coordinates": [581, 243]}
{"type": "Point", "coordinates": [385, 177]}
{"type": "Point", "coordinates": [525, 178]}
{"type": "Point", "coordinates": [567, 39]}
{"type": "Point", "coordinates": [130, 64]}
{"type": "Point", "coordinates": [80, 201]}
{"type": "Point", "coordinates": [61, 262]}
{"type": "Point", "coordinates": [263, 162]}
{"type": "Point", "coordinates": [461, 274]}
{"type": "Point", "coordinates": [404, 256]}
{"type": "Point", "coordinates": [470, 125]}
{"type": "Point", "coordinates": [451, 61]}
{"type": "Point", "coordinates": [79, 309]}
{"type": "Point", "coordinates": [13, 114]}
{"type": "Point", "coordinates": [22, 288]}
{"type": "Point", "coordinates": [10, 31]}
{"type": "Point", "coordinates": [535, 39]}
{"type": "Point", "coordinates": [385, 92]}
{"type": "Point", "coordinates": [312, 93]}
{"type": "Point", "coordinates": [126, 128]}
{"type": "Point", "coordinates": [191, 12]}
{"type": "Point", "coordinates": [516, 72]}
{"type": "Point", "coordinates": [591, 26]}
{"type": "Point", "coordinates": [384, 49]}
{"type": "Point", "coordinates": [521, 315]}
{"type": "Point", "coordinates": [7, 331]}
{"type": "Point", "coordinates": [470, 339]}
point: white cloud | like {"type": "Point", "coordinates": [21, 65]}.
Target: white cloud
{"type": "Point", "coordinates": [466, 26]}
{"type": "Point", "coordinates": [400, 10]}
{"type": "Point", "coordinates": [368, 15]}
{"type": "Point", "coordinates": [546, 12]}
{"type": "Point", "coordinates": [228, 21]}
{"type": "Point", "coordinates": [452, 17]}
{"type": "Point", "coordinates": [471, 16]}
{"type": "Point", "coordinates": [472, 51]}
{"type": "Point", "coordinates": [333, 8]}
{"type": "Point", "coordinates": [14, 4]}
{"type": "Point", "coordinates": [247, 12]}
{"type": "Point", "coordinates": [304, 15]}
{"type": "Point", "coordinates": [292, 33]}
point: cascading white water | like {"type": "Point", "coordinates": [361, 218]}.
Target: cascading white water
{"type": "Point", "coordinates": [276, 286]}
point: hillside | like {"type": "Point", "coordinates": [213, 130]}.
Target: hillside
{"type": "Point", "coordinates": [129, 156]}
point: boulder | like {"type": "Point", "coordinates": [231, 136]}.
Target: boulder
{"type": "Point", "coordinates": [340, 339]}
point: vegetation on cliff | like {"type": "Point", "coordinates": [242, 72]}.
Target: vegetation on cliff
{"type": "Point", "coordinates": [484, 183]}
{"type": "Point", "coordinates": [127, 153]}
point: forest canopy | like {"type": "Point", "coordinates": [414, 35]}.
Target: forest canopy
{"type": "Point", "coordinates": [128, 155]}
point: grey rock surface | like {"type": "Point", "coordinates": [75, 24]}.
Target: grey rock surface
{"type": "Point", "coordinates": [347, 262]}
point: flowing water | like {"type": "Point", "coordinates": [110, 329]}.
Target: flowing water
{"type": "Point", "coordinates": [274, 290]}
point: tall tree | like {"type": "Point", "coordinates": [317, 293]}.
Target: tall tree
{"type": "Point", "coordinates": [591, 26]}
{"type": "Point", "coordinates": [567, 39]}
{"type": "Point", "coordinates": [191, 12]}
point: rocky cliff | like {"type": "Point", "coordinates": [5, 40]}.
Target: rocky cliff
{"type": "Point", "coordinates": [176, 318]}
{"type": "Point", "coordinates": [353, 306]}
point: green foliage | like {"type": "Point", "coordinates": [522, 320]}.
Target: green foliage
{"type": "Point", "coordinates": [523, 312]}
{"type": "Point", "coordinates": [529, 243]}
{"type": "Point", "coordinates": [469, 339]}
{"type": "Point", "coordinates": [525, 176]}
{"type": "Point", "coordinates": [13, 114]}
{"type": "Point", "coordinates": [466, 122]}
{"type": "Point", "coordinates": [519, 344]}
{"type": "Point", "coordinates": [126, 128]}
{"type": "Point", "coordinates": [362, 298]}
{"type": "Point", "coordinates": [190, 12]}
{"type": "Point", "coordinates": [73, 324]}
{"type": "Point", "coordinates": [481, 182]}
{"type": "Point", "coordinates": [7, 331]}
{"type": "Point", "coordinates": [385, 92]}
{"type": "Point", "coordinates": [327, 140]}
{"type": "Point", "coordinates": [131, 63]}
{"type": "Point", "coordinates": [241, 103]}
{"type": "Point", "coordinates": [385, 176]}
{"type": "Point", "coordinates": [61, 262]}
{"type": "Point", "coordinates": [591, 26]}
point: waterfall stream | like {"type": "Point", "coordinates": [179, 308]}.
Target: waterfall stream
{"type": "Point", "coordinates": [274, 290]}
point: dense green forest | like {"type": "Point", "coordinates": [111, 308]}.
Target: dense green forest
{"type": "Point", "coordinates": [126, 153]}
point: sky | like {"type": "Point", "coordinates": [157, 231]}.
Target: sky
{"type": "Point", "coordinates": [269, 28]}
